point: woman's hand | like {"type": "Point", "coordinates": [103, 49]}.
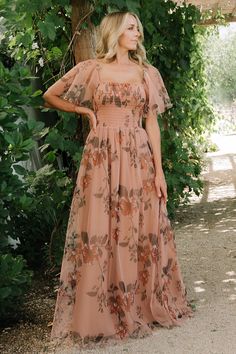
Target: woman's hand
{"type": "Point", "coordinates": [161, 186]}
{"type": "Point", "coordinates": [53, 101]}
{"type": "Point", "coordinates": [92, 117]}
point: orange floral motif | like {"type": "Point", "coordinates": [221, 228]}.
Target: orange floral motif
{"type": "Point", "coordinates": [174, 267]}
{"type": "Point", "coordinates": [85, 180]}
{"type": "Point", "coordinates": [122, 330]}
{"type": "Point", "coordinates": [72, 256]}
{"type": "Point", "coordinates": [97, 158]}
{"type": "Point", "coordinates": [148, 185]}
{"type": "Point", "coordinates": [141, 220]}
{"type": "Point", "coordinates": [155, 253]}
{"type": "Point", "coordinates": [72, 280]}
{"type": "Point", "coordinates": [89, 254]}
{"type": "Point", "coordinates": [115, 234]}
{"type": "Point", "coordinates": [114, 303]}
{"type": "Point", "coordinates": [144, 275]}
{"type": "Point", "coordinates": [179, 285]}
{"type": "Point", "coordinates": [85, 160]}
{"type": "Point", "coordinates": [127, 300]}
{"type": "Point", "coordinates": [144, 253]}
{"type": "Point", "coordinates": [119, 137]}
{"type": "Point", "coordinates": [126, 206]}
{"type": "Point", "coordinates": [144, 162]}
{"type": "Point", "coordinates": [114, 209]}
{"type": "Point", "coordinates": [61, 291]}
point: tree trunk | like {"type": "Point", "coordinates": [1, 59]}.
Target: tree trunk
{"type": "Point", "coordinates": [83, 48]}
{"type": "Point", "coordinates": [85, 39]}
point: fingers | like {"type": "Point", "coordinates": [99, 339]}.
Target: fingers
{"type": "Point", "coordinates": [158, 188]}
{"type": "Point", "coordinates": [161, 191]}
{"type": "Point", "coordinates": [92, 119]}
{"type": "Point", "coordinates": [164, 194]}
{"type": "Point", "coordinates": [94, 123]}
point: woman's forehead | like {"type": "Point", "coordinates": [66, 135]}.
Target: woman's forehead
{"type": "Point", "coordinates": [131, 20]}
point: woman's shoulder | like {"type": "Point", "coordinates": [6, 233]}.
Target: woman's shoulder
{"type": "Point", "coordinates": [87, 63]}
{"type": "Point", "coordinates": [86, 67]}
{"type": "Point", "coordinates": [150, 68]}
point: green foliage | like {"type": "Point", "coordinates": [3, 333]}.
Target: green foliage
{"type": "Point", "coordinates": [42, 226]}
{"type": "Point", "coordinates": [220, 52]}
{"type": "Point", "coordinates": [182, 166]}
{"type": "Point", "coordinates": [14, 282]}
{"type": "Point", "coordinates": [178, 54]}
{"type": "Point", "coordinates": [61, 139]}
{"type": "Point", "coordinates": [102, 7]}
{"type": "Point", "coordinates": [37, 33]}
{"type": "Point", "coordinates": [17, 139]}
{"type": "Point", "coordinates": [33, 205]}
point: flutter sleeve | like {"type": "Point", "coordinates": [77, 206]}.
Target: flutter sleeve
{"type": "Point", "coordinates": [157, 98]}
{"type": "Point", "coordinates": [77, 85]}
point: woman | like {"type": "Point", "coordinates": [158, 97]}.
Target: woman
{"type": "Point", "coordinates": [120, 274]}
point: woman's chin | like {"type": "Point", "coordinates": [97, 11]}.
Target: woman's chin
{"type": "Point", "coordinates": [133, 47]}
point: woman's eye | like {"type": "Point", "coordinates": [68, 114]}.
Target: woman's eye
{"type": "Point", "coordinates": [131, 28]}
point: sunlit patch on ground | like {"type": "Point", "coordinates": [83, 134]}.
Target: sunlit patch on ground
{"type": "Point", "coordinates": [220, 173]}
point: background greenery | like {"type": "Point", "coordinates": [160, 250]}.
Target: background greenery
{"type": "Point", "coordinates": [36, 193]}
{"type": "Point", "coordinates": [220, 51]}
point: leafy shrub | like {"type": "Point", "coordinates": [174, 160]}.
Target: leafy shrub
{"type": "Point", "coordinates": [182, 165]}
{"type": "Point", "coordinates": [222, 70]}
{"type": "Point", "coordinates": [42, 226]}
{"type": "Point", "coordinates": [33, 205]}
{"type": "Point", "coordinates": [17, 139]}
{"type": "Point", "coordinates": [175, 47]}
{"type": "Point", "coordinates": [15, 279]}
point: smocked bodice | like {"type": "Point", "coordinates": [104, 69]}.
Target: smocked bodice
{"type": "Point", "coordinates": [119, 104]}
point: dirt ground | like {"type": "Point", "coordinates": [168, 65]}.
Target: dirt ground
{"type": "Point", "coordinates": [206, 245]}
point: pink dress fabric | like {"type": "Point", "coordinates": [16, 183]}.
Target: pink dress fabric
{"type": "Point", "coordinates": [120, 275]}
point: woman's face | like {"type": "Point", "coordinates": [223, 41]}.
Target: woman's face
{"type": "Point", "coordinates": [131, 34]}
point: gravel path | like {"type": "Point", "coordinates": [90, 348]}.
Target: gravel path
{"type": "Point", "coordinates": [206, 245]}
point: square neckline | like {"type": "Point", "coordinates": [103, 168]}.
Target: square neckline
{"type": "Point", "coordinates": [125, 83]}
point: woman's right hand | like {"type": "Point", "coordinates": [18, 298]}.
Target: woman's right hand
{"type": "Point", "coordinates": [92, 117]}
{"type": "Point", "coordinates": [53, 101]}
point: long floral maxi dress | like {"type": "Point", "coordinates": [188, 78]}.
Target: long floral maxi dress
{"type": "Point", "coordinates": [120, 274]}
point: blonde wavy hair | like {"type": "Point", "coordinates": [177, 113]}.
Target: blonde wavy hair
{"type": "Point", "coordinates": [110, 29]}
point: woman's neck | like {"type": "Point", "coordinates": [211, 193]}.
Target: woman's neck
{"type": "Point", "coordinates": [122, 57]}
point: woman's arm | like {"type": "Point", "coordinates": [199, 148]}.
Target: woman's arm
{"type": "Point", "coordinates": [52, 98]}
{"type": "Point", "coordinates": [153, 131]}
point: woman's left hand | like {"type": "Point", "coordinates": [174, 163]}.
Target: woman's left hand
{"type": "Point", "coordinates": [161, 186]}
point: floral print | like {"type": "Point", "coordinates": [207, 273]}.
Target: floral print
{"type": "Point", "coordinates": [120, 274]}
